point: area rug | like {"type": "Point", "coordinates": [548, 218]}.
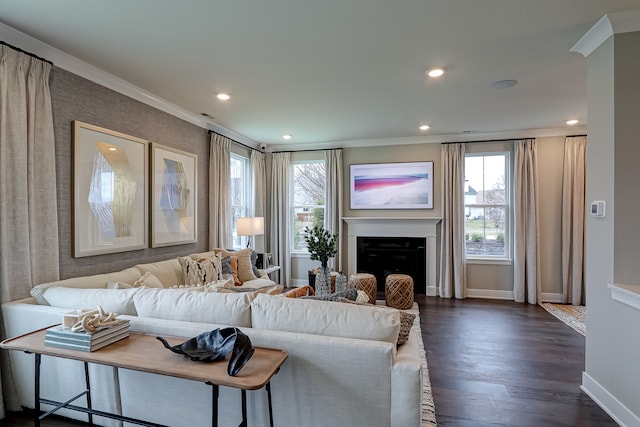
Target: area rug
{"type": "Point", "coordinates": [428, 408]}
{"type": "Point", "coordinates": [573, 315]}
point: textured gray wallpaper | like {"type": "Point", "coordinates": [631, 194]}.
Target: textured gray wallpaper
{"type": "Point", "coordinates": [75, 98]}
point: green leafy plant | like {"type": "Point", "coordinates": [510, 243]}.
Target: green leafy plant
{"type": "Point", "coordinates": [320, 243]}
{"type": "Point", "coordinates": [477, 237]}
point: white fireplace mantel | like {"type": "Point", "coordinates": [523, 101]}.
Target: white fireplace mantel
{"type": "Point", "coordinates": [395, 227]}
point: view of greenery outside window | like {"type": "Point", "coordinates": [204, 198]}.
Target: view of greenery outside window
{"type": "Point", "coordinates": [487, 205]}
{"type": "Point", "coordinates": [239, 194]}
{"type": "Point", "coordinates": [308, 181]}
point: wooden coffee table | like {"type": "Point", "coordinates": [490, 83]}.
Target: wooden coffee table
{"type": "Point", "coordinates": [256, 374]}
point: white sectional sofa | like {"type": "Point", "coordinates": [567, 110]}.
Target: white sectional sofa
{"type": "Point", "coordinates": [344, 367]}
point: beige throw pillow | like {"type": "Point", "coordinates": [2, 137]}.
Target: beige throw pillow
{"type": "Point", "coordinates": [149, 280]}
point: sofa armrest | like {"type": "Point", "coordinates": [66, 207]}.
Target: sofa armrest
{"type": "Point", "coordinates": [406, 384]}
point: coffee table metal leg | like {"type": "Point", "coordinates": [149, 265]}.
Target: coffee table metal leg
{"type": "Point", "coordinates": [244, 409]}
{"type": "Point", "coordinates": [268, 387]}
{"type": "Point", "coordinates": [214, 404]}
{"type": "Point", "coordinates": [88, 384]}
{"type": "Point", "coordinates": [37, 389]}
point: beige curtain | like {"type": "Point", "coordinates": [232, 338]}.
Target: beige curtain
{"type": "Point", "coordinates": [258, 195]}
{"type": "Point", "coordinates": [280, 208]}
{"type": "Point", "coordinates": [28, 203]}
{"type": "Point", "coordinates": [333, 217]}
{"type": "Point", "coordinates": [453, 274]}
{"type": "Point", "coordinates": [220, 221]}
{"type": "Point", "coordinates": [573, 218]}
{"type": "Point", "coordinates": [526, 263]}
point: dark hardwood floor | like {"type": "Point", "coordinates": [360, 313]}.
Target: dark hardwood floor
{"type": "Point", "coordinates": [500, 363]}
{"type": "Point", "coordinates": [492, 363]}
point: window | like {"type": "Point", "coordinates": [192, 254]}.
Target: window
{"type": "Point", "coordinates": [308, 198]}
{"type": "Point", "coordinates": [487, 201]}
{"type": "Point", "coordinates": [239, 194]}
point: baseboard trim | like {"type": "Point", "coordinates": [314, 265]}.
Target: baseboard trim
{"type": "Point", "coordinates": [552, 297]}
{"type": "Point", "coordinates": [432, 291]}
{"type": "Point", "coordinates": [489, 294]}
{"type": "Point", "coordinates": [612, 406]}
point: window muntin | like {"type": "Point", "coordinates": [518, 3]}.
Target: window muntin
{"type": "Point", "coordinates": [308, 182]}
{"type": "Point", "coordinates": [487, 204]}
{"type": "Point", "coordinates": [239, 194]}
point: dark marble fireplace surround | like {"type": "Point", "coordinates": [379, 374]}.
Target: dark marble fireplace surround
{"type": "Point", "coordinates": [382, 256]}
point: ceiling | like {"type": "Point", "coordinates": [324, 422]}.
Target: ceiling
{"type": "Point", "coordinates": [335, 71]}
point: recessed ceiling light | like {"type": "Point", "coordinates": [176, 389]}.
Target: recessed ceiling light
{"type": "Point", "coordinates": [504, 84]}
{"type": "Point", "coordinates": [286, 136]}
{"type": "Point", "coordinates": [435, 72]}
{"type": "Point", "coordinates": [572, 122]}
{"type": "Point", "coordinates": [223, 96]}
{"type": "Point", "coordinates": [424, 127]}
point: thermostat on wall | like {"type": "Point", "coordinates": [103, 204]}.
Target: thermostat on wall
{"type": "Point", "coordinates": [598, 208]}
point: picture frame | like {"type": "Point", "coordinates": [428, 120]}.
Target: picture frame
{"type": "Point", "coordinates": [110, 191]}
{"type": "Point", "coordinates": [174, 190]}
{"type": "Point", "coordinates": [402, 185]}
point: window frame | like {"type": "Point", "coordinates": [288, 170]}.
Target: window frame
{"type": "Point", "coordinates": [505, 259]}
{"type": "Point", "coordinates": [246, 199]}
{"type": "Point", "coordinates": [293, 206]}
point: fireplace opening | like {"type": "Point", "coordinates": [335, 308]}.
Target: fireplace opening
{"type": "Point", "coordinates": [382, 256]}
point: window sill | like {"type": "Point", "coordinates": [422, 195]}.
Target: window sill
{"type": "Point", "coordinates": [626, 294]}
{"type": "Point", "coordinates": [489, 261]}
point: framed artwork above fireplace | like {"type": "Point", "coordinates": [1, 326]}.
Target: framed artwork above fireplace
{"type": "Point", "coordinates": [391, 185]}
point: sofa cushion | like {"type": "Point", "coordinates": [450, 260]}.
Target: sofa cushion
{"type": "Point", "coordinates": [119, 301]}
{"type": "Point", "coordinates": [325, 318]}
{"type": "Point", "coordinates": [169, 272]}
{"type": "Point", "coordinates": [128, 275]}
{"type": "Point", "coordinates": [205, 307]}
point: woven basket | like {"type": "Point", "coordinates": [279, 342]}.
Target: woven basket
{"type": "Point", "coordinates": [365, 282]}
{"type": "Point", "coordinates": [398, 291]}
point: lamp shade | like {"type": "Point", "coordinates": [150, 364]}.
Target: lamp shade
{"type": "Point", "coordinates": [250, 226]}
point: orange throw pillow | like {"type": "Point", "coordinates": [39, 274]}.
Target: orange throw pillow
{"type": "Point", "coordinates": [234, 271]}
{"type": "Point", "coordinates": [302, 291]}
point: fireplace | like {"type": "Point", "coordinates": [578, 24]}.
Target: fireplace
{"type": "Point", "coordinates": [382, 256]}
{"type": "Point", "coordinates": [393, 227]}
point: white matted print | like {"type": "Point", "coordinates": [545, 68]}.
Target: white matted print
{"type": "Point", "coordinates": [110, 181]}
{"type": "Point", "coordinates": [174, 180]}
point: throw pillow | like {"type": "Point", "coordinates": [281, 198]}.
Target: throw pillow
{"type": "Point", "coordinates": [149, 280]}
{"type": "Point", "coordinates": [226, 264]}
{"type": "Point", "coordinates": [234, 270]}
{"type": "Point", "coordinates": [118, 285]}
{"type": "Point", "coordinates": [406, 322]}
{"type": "Point", "coordinates": [245, 266]}
{"type": "Point", "coordinates": [302, 291]}
{"type": "Point", "coordinates": [269, 290]}
{"type": "Point", "coordinates": [199, 271]}
{"type": "Point", "coordinates": [350, 294]}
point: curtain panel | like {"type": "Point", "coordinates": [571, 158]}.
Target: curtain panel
{"type": "Point", "coordinates": [453, 274]}
{"type": "Point", "coordinates": [28, 208]}
{"type": "Point", "coordinates": [220, 220]}
{"type": "Point", "coordinates": [526, 262]}
{"type": "Point", "coordinates": [333, 216]}
{"type": "Point", "coordinates": [258, 196]}
{"type": "Point", "coordinates": [573, 219]}
{"type": "Point", "coordinates": [280, 215]}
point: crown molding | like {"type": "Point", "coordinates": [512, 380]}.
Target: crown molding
{"type": "Point", "coordinates": [608, 25]}
{"type": "Point", "coordinates": [78, 67]}
{"type": "Point", "coordinates": [434, 139]}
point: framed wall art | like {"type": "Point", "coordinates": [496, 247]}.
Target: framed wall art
{"type": "Point", "coordinates": [392, 186]}
{"type": "Point", "coordinates": [174, 180]}
{"type": "Point", "coordinates": [110, 199]}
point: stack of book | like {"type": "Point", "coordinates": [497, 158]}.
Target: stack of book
{"type": "Point", "coordinates": [62, 337]}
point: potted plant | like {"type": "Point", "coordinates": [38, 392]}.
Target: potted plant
{"type": "Point", "coordinates": [321, 246]}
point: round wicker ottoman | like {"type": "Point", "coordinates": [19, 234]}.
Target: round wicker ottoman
{"type": "Point", "coordinates": [398, 291]}
{"type": "Point", "coordinates": [364, 282]}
